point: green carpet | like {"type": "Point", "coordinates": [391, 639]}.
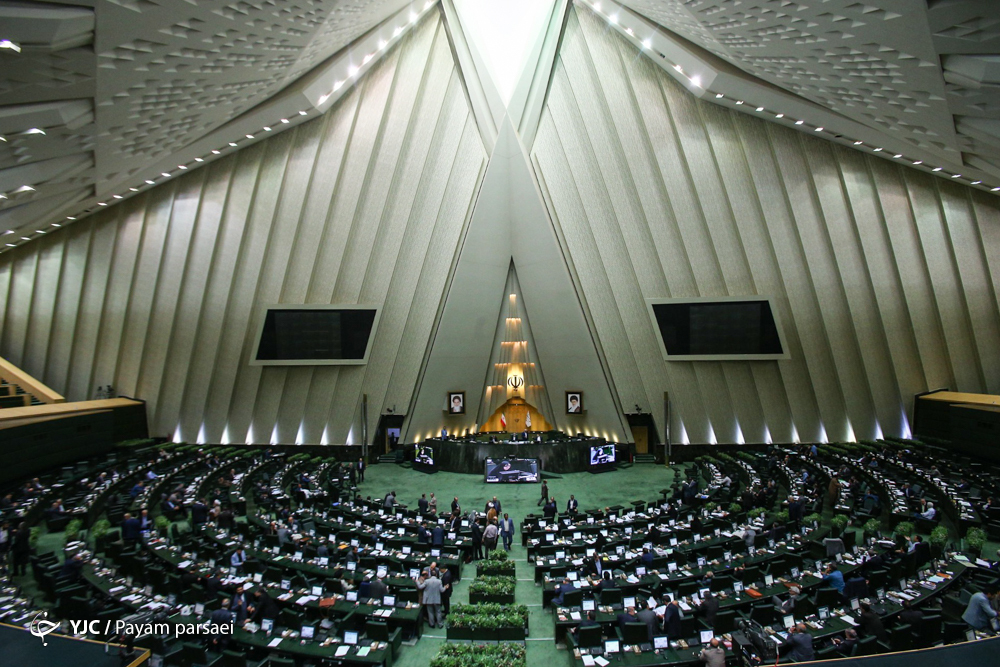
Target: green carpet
{"type": "Point", "coordinates": [641, 482]}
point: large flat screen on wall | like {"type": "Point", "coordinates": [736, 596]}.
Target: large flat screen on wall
{"type": "Point", "coordinates": [511, 471]}
{"type": "Point", "coordinates": [728, 328]}
{"type": "Point", "coordinates": [315, 335]}
{"type": "Point", "coordinates": [424, 455]}
{"type": "Point", "coordinates": [602, 455]}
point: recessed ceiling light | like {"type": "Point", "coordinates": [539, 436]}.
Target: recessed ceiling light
{"type": "Point", "coordinates": [56, 224]}
{"type": "Point", "coordinates": [738, 102]}
{"type": "Point", "coordinates": [25, 188]}
{"type": "Point", "coordinates": [957, 176]}
{"type": "Point", "coordinates": [232, 144]}
{"type": "Point", "coordinates": [382, 44]}
{"type": "Point", "coordinates": [302, 113]}
{"type": "Point", "coordinates": [898, 155]}
{"type": "Point", "coordinates": [413, 17]}
{"type": "Point", "coordinates": [39, 231]}
{"type": "Point", "coordinates": [284, 120]}
{"type": "Point", "coordinates": [9, 231]}
{"type": "Point", "coordinates": [995, 190]}
{"type": "Point", "coordinates": [117, 196]}
{"type": "Point", "coordinates": [629, 31]}
{"type": "Point", "coordinates": [180, 166]}
{"type": "Point", "coordinates": [395, 33]}
{"type": "Point", "coordinates": [799, 122]}
{"type": "Point", "coordinates": [613, 18]}
{"type": "Point", "coordinates": [215, 152]}
{"type": "Point", "coordinates": [11, 245]}
{"type": "Point", "coordinates": [818, 129]}
{"type": "Point", "coordinates": [647, 43]}
{"type": "Point", "coordinates": [760, 108]}
{"type": "Point", "coordinates": [696, 81]}
{"type": "Point", "coordinates": [149, 182]}
{"type": "Point", "coordinates": [7, 44]}
{"type": "Point", "coordinates": [25, 238]}
{"type": "Point", "coordinates": [919, 162]}
{"type": "Point", "coordinates": [937, 168]}
{"type": "Point", "coordinates": [100, 203]}
{"type": "Point", "coordinates": [858, 143]}
{"type": "Point", "coordinates": [165, 174]}
{"type": "Point", "coordinates": [780, 115]}
{"type": "Point", "coordinates": [133, 189]}
{"type": "Point", "coordinates": [68, 217]}
{"type": "Point", "coordinates": [976, 182]}
{"type": "Point", "coordinates": [34, 130]}
{"type": "Point", "coordinates": [878, 150]}
{"type": "Point", "coordinates": [249, 136]}
{"type": "Point", "coordinates": [267, 129]}
{"type": "Point", "coordinates": [198, 159]}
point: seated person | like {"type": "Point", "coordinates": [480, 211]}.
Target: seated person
{"type": "Point", "coordinates": [846, 645]}
{"type": "Point", "coordinates": [565, 587]}
{"type": "Point", "coordinates": [799, 645]}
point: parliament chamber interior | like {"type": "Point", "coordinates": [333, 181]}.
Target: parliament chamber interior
{"type": "Point", "coordinates": [499, 333]}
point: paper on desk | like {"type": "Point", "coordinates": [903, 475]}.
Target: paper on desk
{"type": "Point", "coordinates": [342, 651]}
{"type": "Point", "coordinates": [601, 661]}
{"type": "Point", "coordinates": [274, 642]}
{"type": "Point", "coordinates": [588, 661]}
{"type": "Point", "coordinates": [363, 651]}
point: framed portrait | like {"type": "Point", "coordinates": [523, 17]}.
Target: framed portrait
{"type": "Point", "coordinates": [574, 402]}
{"type": "Point", "coordinates": [456, 402]}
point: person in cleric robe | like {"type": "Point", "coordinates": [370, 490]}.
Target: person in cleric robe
{"type": "Point", "coordinates": [574, 403]}
{"type": "Point", "coordinates": [456, 406]}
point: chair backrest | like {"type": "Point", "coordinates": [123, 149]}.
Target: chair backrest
{"type": "Point", "coordinates": [635, 633]}
{"type": "Point", "coordinates": [193, 653]}
{"type": "Point", "coordinates": [573, 598]}
{"type": "Point", "coordinates": [377, 631]}
{"type": "Point", "coordinates": [611, 596]}
{"type": "Point", "coordinates": [592, 636]}
{"type": "Point", "coordinates": [233, 659]}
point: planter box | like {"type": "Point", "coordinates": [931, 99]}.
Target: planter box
{"type": "Point", "coordinates": [511, 634]}
{"type": "Point", "coordinates": [479, 598]}
{"type": "Point", "coordinates": [492, 571]}
{"type": "Point", "coordinates": [461, 633]}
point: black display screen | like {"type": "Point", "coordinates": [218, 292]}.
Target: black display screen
{"type": "Point", "coordinates": [718, 328]}
{"type": "Point", "coordinates": [315, 334]}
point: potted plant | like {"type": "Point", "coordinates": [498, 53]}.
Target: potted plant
{"type": "Point", "coordinates": [812, 519]}
{"type": "Point", "coordinates": [756, 512]}
{"type": "Point", "coordinates": [735, 508]}
{"type": "Point", "coordinates": [873, 527]}
{"type": "Point", "coordinates": [975, 540]}
{"type": "Point", "coordinates": [781, 518]}
{"type": "Point", "coordinates": [711, 506]}
{"type": "Point", "coordinates": [492, 589]}
{"type": "Point", "coordinates": [839, 523]}
{"type": "Point", "coordinates": [904, 528]}
{"type": "Point", "coordinates": [938, 540]}
{"type": "Point", "coordinates": [72, 531]}
{"type": "Point", "coordinates": [162, 524]}
{"type": "Point", "coordinates": [99, 531]}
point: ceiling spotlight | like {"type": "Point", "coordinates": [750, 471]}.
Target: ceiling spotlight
{"type": "Point", "coordinates": [818, 129]}
{"type": "Point", "coordinates": [367, 59]}
{"type": "Point", "coordinates": [249, 136]}
{"type": "Point", "coordinates": [597, 6]}
{"type": "Point", "coordinates": [267, 129]}
{"type": "Point", "coordinates": [33, 130]}
{"type": "Point", "coordinates": [878, 150]}
{"type": "Point", "coordinates": [56, 224]}
{"type": "Point", "coordinates": [780, 115]}
{"type": "Point", "coordinates": [679, 68]}
{"type": "Point", "coordinates": [9, 231]}
{"type": "Point", "coordinates": [232, 144]}
{"type": "Point", "coordinates": [302, 113]}
{"type": "Point", "coordinates": [165, 174]}
{"type": "Point", "coordinates": [395, 33]}
{"type": "Point", "coordinates": [198, 159]}
{"type": "Point", "coordinates": [613, 18]}
{"type": "Point", "coordinates": [629, 31]}
{"type": "Point", "coordinates": [215, 152]}
{"type": "Point", "coordinates": [647, 43]}
{"type": "Point", "coordinates": [117, 196]}
{"type": "Point", "coordinates": [39, 231]}
{"type": "Point", "coordinates": [413, 17]}
{"type": "Point", "coordinates": [337, 85]}
{"type": "Point", "coordinates": [719, 96]}
{"type": "Point", "coordinates": [2, 196]}
{"type": "Point", "coordinates": [696, 81]}
{"type": "Point", "coordinates": [7, 44]}
{"type": "Point", "coordinates": [738, 102]}
{"type": "Point", "coordinates": [858, 143]}
{"type": "Point", "coordinates": [284, 120]}
{"type": "Point", "coordinates": [898, 155]}
{"type": "Point", "coordinates": [25, 238]}
{"type": "Point", "coordinates": [976, 182]}
{"type": "Point", "coordinates": [180, 166]}
{"type": "Point", "coordinates": [24, 188]}
{"type": "Point", "coordinates": [11, 245]}
{"type": "Point", "coordinates": [799, 122]}
{"type": "Point", "coordinates": [937, 168]}
{"type": "Point", "coordinates": [149, 182]}
{"type": "Point", "coordinates": [323, 98]}
{"type": "Point", "coordinates": [352, 70]}
{"type": "Point", "coordinates": [760, 108]}
{"type": "Point", "coordinates": [957, 176]}
{"type": "Point", "coordinates": [68, 217]}
{"type": "Point", "coordinates": [919, 162]}
{"type": "Point", "coordinates": [100, 203]}
{"type": "Point", "coordinates": [133, 189]}
{"type": "Point", "coordinates": [995, 190]}
{"type": "Point", "coordinates": [382, 44]}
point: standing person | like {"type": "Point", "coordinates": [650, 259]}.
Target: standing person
{"type": "Point", "coordinates": [21, 549]}
{"type": "Point", "coordinates": [507, 531]}
{"type": "Point", "coordinates": [545, 493]}
{"type": "Point", "coordinates": [432, 589]}
{"type": "Point", "coordinates": [361, 470]}
{"type": "Point", "coordinates": [978, 613]}
{"type": "Point", "coordinates": [477, 541]}
{"type": "Point", "coordinates": [490, 537]}
{"type": "Point", "coordinates": [446, 579]}
{"type": "Point", "coordinates": [572, 505]}
{"type": "Point", "coordinates": [432, 505]}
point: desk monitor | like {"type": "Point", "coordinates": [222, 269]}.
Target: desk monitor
{"type": "Point", "coordinates": [298, 555]}
{"type": "Point", "coordinates": [628, 602]}
{"type": "Point", "coordinates": [352, 566]}
{"type": "Point", "coordinates": [379, 546]}
{"type": "Point", "coordinates": [588, 605]}
{"type": "Point", "coordinates": [435, 553]}
{"type": "Point", "coordinates": [612, 646]}
{"type": "Point", "coordinates": [628, 530]}
{"type": "Point", "coordinates": [317, 591]}
{"type": "Point", "coordinates": [350, 637]}
{"type": "Point", "coordinates": [550, 537]}
{"type": "Point", "coordinates": [199, 609]}
{"type": "Point", "coordinates": [573, 576]}
{"type": "Point", "coordinates": [671, 567]}
{"type": "Point", "coordinates": [577, 535]}
{"type": "Point", "coordinates": [561, 555]}
{"type": "Point", "coordinates": [355, 543]}
{"type": "Point", "coordinates": [414, 573]}
{"type": "Point", "coordinates": [389, 601]}
{"type": "Point", "coordinates": [738, 586]}
{"type": "Point", "coordinates": [795, 572]}
{"type": "Point", "coordinates": [286, 584]}
{"type": "Point", "coordinates": [620, 550]}
{"type": "Point", "coordinates": [769, 580]}
{"type": "Point", "coordinates": [382, 571]}
{"type": "Point", "coordinates": [824, 613]}
{"type": "Point", "coordinates": [267, 624]}
{"type": "Point", "coordinates": [855, 604]}
{"type": "Point", "coordinates": [352, 596]}
{"type": "Point", "coordinates": [788, 621]}
{"type": "Point", "coordinates": [401, 531]}
{"type": "Point", "coordinates": [701, 561]}
{"type": "Point", "coordinates": [661, 642]}
{"type": "Point", "coordinates": [640, 572]}
{"type": "Point", "coordinates": [258, 578]}
{"type": "Point", "coordinates": [591, 552]}
{"type": "Point", "coordinates": [880, 593]}
{"type": "Point", "coordinates": [706, 636]}
{"type": "Point", "coordinates": [308, 632]}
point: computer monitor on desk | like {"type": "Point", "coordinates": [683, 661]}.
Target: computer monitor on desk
{"type": "Point", "coordinates": [706, 636]}
{"type": "Point", "coordinates": [308, 632]}
{"type": "Point", "coordinates": [350, 637]}
{"type": "Point", "coordinates": [612, 646]}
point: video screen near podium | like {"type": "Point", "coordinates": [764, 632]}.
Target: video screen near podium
{"type": "Point", "coordinates": [511, 471]}
{"type": "Point", "coordinates": [602, 455]}
{"type": "Point", "coordinates": [424, 455]}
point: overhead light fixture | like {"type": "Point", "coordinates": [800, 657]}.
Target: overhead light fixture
{"type": "Point", "coordinates": [858, 143]}
{"type": "Point", "coordinates": [9, 231]}
{"type": "Point", "coordinates": [919, 162]}
{"type": "Point", "coordinates": [24, 188]}
{"type": "Point", "coordinates": [34, 130]}
{"type": "Point", "coordinates": [101, 203]}
{"type": "Point", "coordinates": [117, 196]}
{"type": "Point", "coordinates": [780, 115]}
{"type": "Point", "coordinates": [382, 44]}
{"type": "Point", "coordinates": [367, 59]}
{"type": "Point", "coordinates": [395, 33]}
{"type": "Point", "coordinates": [11, 245]}
{"type": "Point", "coordinates": [56, 224]}
{"type": "Point", "coordinates": [898, 155]}
{"type": "Point", "coordinates": [25, 238]}
{"type": "Point", "coordinates": [337, 85]}
{"type": "Point", "coordinates": [995, 190]}
{"type": "Point", "coordinates": [216, 152]}
{"type": "Point", "coordinates": [597, 6]}
{"type": "Point", "coordinates": [133, 189]}
{"type": "Point", "coordinates": [7, 44]}
{"type": "Point", "coordinates": [165, 174]}
{"type": "Point", "coordinates": [719, 96]}
{"type": "Point", "coordinates": [613, 18]}
{"type": "Point", "coordinates": [352, 70]}
{"type": "Point", "coordinates": [149, 182]}
{"type": "Point", "coordinates": [180, 166]}
{"type": "Point", "coordinates": [428, 5]}
{"type": "Point", "coordinates": [413, 17]}
{"type": "Point", "coordinates": [696, 81]}
{"type": "Point", "coordinates": [267, 129]}
{"type": "Point", "coordinates": [39, 231]}
{"type": "Point", "coordinates": [818, 129]}
{"type": "Point", "coordinates": [976, 182]}
{"type": "Point", "coordinates": [799, 122]}
{"type": "Point", "coordinates": [739, 102]}
{"type": "Point", "coordinates": [629, 31]}
{"type": "Point", "coordinates": [957, 176]}
{"type": "Point", "coordinates": [249, 136]}
{"type": "Point", "coordinates": [198, 159]}
{"type": "Point", "coordinates": [284, 120]}
{"type": "Point", "coordinates": [760, 108]}
{"type": "Point", "coordinates": [302, 113]}
{"type": "Point", "coordinates": [936, 168]}
{"type": "Point", "coordinates": [647, 43]}
{"type": "Point", "coordinates": [323, 98]}
{"type": "Point", "coordinates": [877, 150]}
{"type": "Point", "coordinates": [68, 217]}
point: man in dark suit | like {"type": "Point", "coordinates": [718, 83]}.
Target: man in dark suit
{"type": "Point", "coordinates": [422, 504]}
{"type": "Point", "coordinates": [799, 645]}
{"type": "Point", "coordinates": [437, 536]}
{"type": "Point", "coordinates": [238, 605]}
{"type": "Point", "coordinates": [627, 616]}
{"type": "Point", "coordinates": [131, 528]}
{"type": "Point", "coordinates": [219, 618]}
{"type": "Point", "coordinates": [361, 470]}
{"type": "Point", "coordinates": [708, 608]}
{"type": "Point", "coordinates": [870, 622]}
{"type": "Point", "coordinates": [561, 590]}
{"type": "Point", "coordinates": [199, 512]}
{"type": "Point", "coordinates": [912, 617]}
{"type": "Point", "coordinates": [263, 606]}
{"type": "Point", "coordinates": [572, 505]}
{"type": "Point", "coordinates": [549, 511]}
{"type": "Point", "coordinates": [422, 535]}
{"type": "Point", "coordinates": [378, 589]}
{"type": "Point", "coordinates": [477, 541]}
{"type": "Point", "coordinates": [846, 645]}
{"type": "Point", "coordinates": [446, 579]}
{"type": "Point", "coordinates": [672, 620]}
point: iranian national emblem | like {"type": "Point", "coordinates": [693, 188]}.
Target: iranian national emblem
{"type": "Point", "coordinates": [515, 382]}
{"type": "Point", "coordinates": [41, 627]}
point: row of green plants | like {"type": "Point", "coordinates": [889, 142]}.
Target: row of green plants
{"type": "Point", "coordinates": [498, 563]}
{"type": "Point", "coordinates": [488, 616]}
{"type": "Point", "coordinates": [480, 655]}
{"type": "Point", "coordinates": [493, 586]}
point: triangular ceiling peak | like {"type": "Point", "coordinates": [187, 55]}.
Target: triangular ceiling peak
{"type": "Point", "coordinates": [504, 32]}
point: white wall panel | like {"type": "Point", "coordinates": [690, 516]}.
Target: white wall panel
{"type": "Point", "coordinates": [162, 295]}
{"type": "Point", "coordinates": [865, 259]}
